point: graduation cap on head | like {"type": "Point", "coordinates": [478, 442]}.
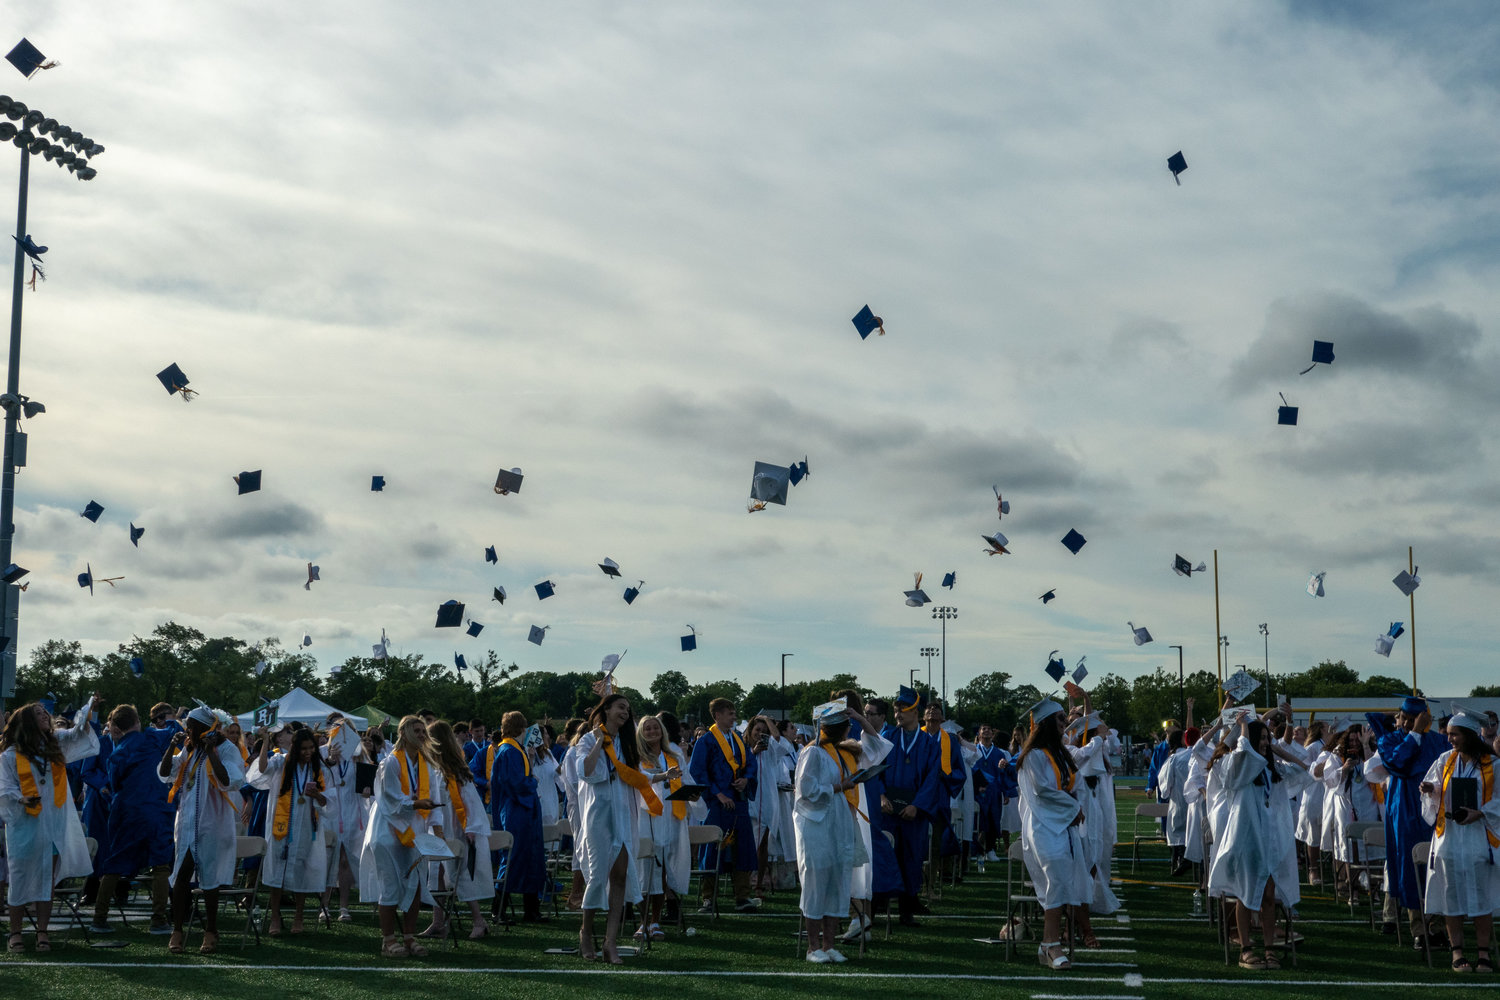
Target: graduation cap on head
{"type": "Point", "coordinates": [27, 59]}
{"type": "Point", "coordinates": [797, 471]}
{"type": "Point", "coordinates": [866, 322]}
{"type": "Point", "coordinates": [1142, 634]}
{"type": "Point", "coordinates": [490, 555]}
{"type": "Point", "coordinates": [508, 481]}
{"type": "Point", "coordinates": [1055, 666]}
{"type": "Point", "coordinates": [248, 482]}
{"type": "Point", "coordinates": [1177, 163]}
{"type": "Point", "coordinates": [1080, 671]}
{"type": "Point", "coordinates": [770, 483]}
{"type": "Point", "coordinates": [917, 597]}
{"type": "Point", "coordinates": [1002, 505]}
{"type": "Point", "coordinates": [1044, 709]}
{"type": "Point", "coordinates": [907, 699]}
{"type": "Point", "coordinates": [12, 573]}
{"type": "Point", "coordinates": [377, 484]}
{"type": "Point", "coordinates": [1407, 582]}
{"type": "Point", "coordinates": [460, 662]}
{"type": "Point", "coordinates": [631, 593]}
{"type": "Point", "coordinates": [1182, 567]}
{"type": "Point", "coordinates": [949, 579]}
{"type": "Point", "coordinates": [544, 590]}
{"type": "Point", "coordinates": [312, 574]}
{"type": "Point", "coordinates": [135, 534]}
{"type": "Point", "coordinates": [997, 544]}
{"type": "Point", "coordinates": [1073, 541]}
{"type": "Point", "coordinates": [1315, 584]}
{"type": "Point", "coordinates": [174, 381]}
{"type": "Point", "coordinates": [1322, 355]}
{"type": "Point", "coordinates": [1048, 597]}
{"type": "Point", "coordinates": [690, 641]}
{"type": "Point", "coordinates": [498, 595]}
{"type": "Point", "coordinates": [474, 628]}
{"type": "Point", "coordinates": [610, 567]}
{"type": "Point", "coordinates": [137, 666]}
{"type": "Point", "coordinates": [92, 511]}
{"type": "Point", "coordinates": [1286, 414]}
{"type": "Point", "coordinates": [449, 614]}
{"type": "Point", "coordinates": [537, 634]}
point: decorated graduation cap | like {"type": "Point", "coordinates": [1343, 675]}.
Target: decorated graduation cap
{"type": "Point", "coordinates": [1002, 505]}
{"type": "Point", "coordinates": [949, 579]}
{"type": "Point", "coordinates": [866, 322]}
{"type": "Point", "coordinates": [12, 573]}
{"type": "Point", "coordinates": [1286, 413]}
{"type": "Point", "coordinates": [1177, 163]}
{"type": "Point", "coordinates": [1183, 567]}
{"type": "Point", "coordinates": [490, 555]}
{"type": "Point", "coordinates": [916, 597]}
{"type": "Point", "coordinates": [92, 511]}
{"type": "Point", "coordinates": [605, 686]}
{"type": "Point", "coordinates": [377, 484]}
{"type": "Point", "coordinates": [27, 59]}
{"type": "Point", "coordinates": [1055, 666]}
{"type": "Point", "coordinates": [1240, 684]}
{"type": "Point", "coordinates": [610, 567]}
{"type": "Point", "coordinates": [1080, 671]}
{"type": "Point", "coordinates": [248, 482]}
{"type": "Point", "coordinates": [1073, 541]}
{"type": "Point", "coordinates": [460, 663]}
{"type": "Point", "coordinates": [1407, 582]}
{"type": "Point", "coordinates": [474, 628]}
{"type": "Point", "coordinates": [1322, 355]}
{"type": "Point", "coordinates": [87, 578]}
{"type": "Point", "coordinates": [1384, 643]}
{"type": "Point", "coordinates": [508, 481]}
{"type": "Point", "coordinates": [631, 593]}
{"type": "Point", "coordinates": [1142, 635]}
{"type": "Point", "coordinates": [498, 594]}
{"type": "Point", "coordinates": [690, 641]}
{"type": "Point", "coordinates": [135, 534]}
{"type": "Point", "coordinates": [312, 575]}
{"type": "Point", "coordinates": [797, 471]}
{"type": "Point", "coordinates": [450, 614]}
{"type": "Point", "coordinates": [545, 589]}
{"type": "Point", "coordinates": [1048, 597]}
{"type": "Point", "coordinates": [137, 666]}
{"type": "Point", "coordinates": [1315, 584]}
{"type": "Point", "coordinates": [174, 381]}
{"type": "Point", "coordinates": [907, 699]}
{"type": "Point", "coordinates": [536, 635]}
{"type": "Point", "coordinates": [382, 649]}
{"type": "Point", "coordinates": [831, 713]}
{"type": "Point", "coordinates": [997, 544]}
{"type": "Point", "coordinates": [770, 483]}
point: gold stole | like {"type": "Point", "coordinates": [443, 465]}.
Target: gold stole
{"type": "Point", "coordinates": [634, 779]}
{"type": "Point", "coordinates": [28, 784]}
{"type": "Point", "coordinates": [406, 837]}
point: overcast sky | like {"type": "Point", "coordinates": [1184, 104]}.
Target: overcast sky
{"type": "Point", "coordinates": [620, 246]}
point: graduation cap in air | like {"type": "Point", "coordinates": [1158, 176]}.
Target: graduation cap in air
{"type": "Point", "coordinates": [135, 534]}
{"type": "Point", "coordinates": [498, 595]}
{"type": "Point", "coordinates": [770, 483]}
{"type": "Point", "coordinates": [690, 641]}
{"type": "Point", "coordinates": [1073, 541]}
{"type": "Point", "coordinates": [610, 567]}
{"type": "Point", "coordinates": [798, 471]}
{"type": "Point", "coordinates": [537, 634]}
{"type": "Point", "coordinates": [248, 482]}
{"type": "Point", "coordinates": [474, 628]}
{"type": "Point", "coordinates": [490, 555]}
{"type": "Point", "coordinates": [605, 685]}
{"type": "Point", "coordinates": [377, 484]}
{"type": "Point", "coordinates": [1322, 355]}
{"type": "Point", "coordinates": [1407, 582]}
{"type": "Point", "coordinates": [34, 253]}
{"type": "Point", "coordinates": [450, 614]}
{"type": "Point", "coordinates": [1182, 567]}
{"type": "Point", "coordinates": [137, 666]}
{"type": "Point", "coordinates": [382, 649]}
{"type": "Point", "coordinates": [1315, 584]}
{"type": "Point", "coordinates": [917, 597]}
{"type": "Point", "coordinates": [508, 482]}
{"type": "Point", "coordinates": [1080, 671]}
{"type": "Point", "coordinates": [92, 511]}
{"type": "Point", "coordinates": [306, 641]}
{"type": "Point", "coordinates": [866, 322]}
{"type": "Point", "coordinates": [949, 579]}
{"type": "Point", "coordinates": [544, 590]}
{"type": "Point", "coordinates": [1142, 634]}
{"type": "Point", "coordinates": [174, 381]}
{"type": "Point", "coordinates": [997, 543]}
{"type": "Point", "coordinates": [312, 575]}
{"type": "Point", "coordinates": [631, 593]}
{"type": "Point", "coordinates": [1286, 414]}
{"type": "Point", "coordinates": [1384, 643]}
{"type": "Point", "coordinates": [460, 662]}
{"type": "Point", "coordinates": [1055, 666]}
{"type": "Point", "coordinates": [1177, 163]}
{"type": "Point", "coordinates": [1048, 597]}
{"type": "Point", "coordinates": [12, 573]}
{"type": "Point", "coordinates": [260, 667]}
{"type": "Point", "coordinates": [87, 578]}
{"type": "Point", "coordinates": [1002, 505]}
{"type": "Point", "coordinates": [27, 59]}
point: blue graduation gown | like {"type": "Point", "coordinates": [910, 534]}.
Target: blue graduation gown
{"type": "Point", "coordinates": [471, 748]}
{"type": "Point", "coordinates": [915, 774]}
{"type": "Point", "coordinates": [140, 817]}
{"type": "Point", "coordinates": [1407, 756]}
{"type": "Point", "coordinates": [887, 871]}
{"type": "Point", "coordinates": [1158, 757]}
{"type": "Point", "coordinates": [93, 774]}
{"type": "Point", "coordinates": [478, 765]}
{"type": "Point", "coordinates": [513, 807]}
{"type": "Point", "coordinates": [990, 771]}
{"type": "Point", "coordinates": [708, 767]}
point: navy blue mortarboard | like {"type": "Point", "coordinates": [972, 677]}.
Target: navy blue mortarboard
{"type": "Point", "coordinates": [135, 534]}
{"type": "Point", "coordinates": [537, 634]}
{"type": "Point", "coordinates": [1177, 163]}
{"type": "Point", "coordinates": [1285, 413]}
{"type": "Point", "coordinates": [867, 323]}
{"type": "Point", "coordinates": [137, 666]}
{"type": "Point", "coordinates": [475, 628]}
{"type": "Point", "coordinates": [1073, 541]}
{"type": "Point", "coordinates": [35, 253]}
{"type": "Point", "coordinates": [306, 641]}
{"type": "Point", "coordinates": [450, 614]}
{"type": "Point", "coordinates": [27, 59]}
{"type": "Point", "coordinates": [1055, 666]}
{"type": "Point", "coordinates": [1322, 355]}
{"type": "Point", "coordinates": [173, 380]}
{"type": "Point", "coordinates": [1048, 597]}
{"type": "Point", "coordinates": [312, 575]}
{"type": "Point", "coordinates": [690, 641]}
{"type": "Point", "coordinates": [92, 511]}
{"type": "Point", "coordinates": [13, 573]}
{"type": "Point", "coordinates": [544, 590]}
{"type": "Point", "coordinates": [499, 595]}
{"type": "Point", "coordinates": [1183, 567]}
{"type": "Point", "coordinates": [490, 555]}
{"type": "Point", "coordinates": [460, 662]}
{"type": "Point", "coordinates": [770, 483]}
{"type": "Point", "coordinates": [508, 481]}
{"type": "Point", "coordinates": [907, 699]}
{"type": "Point", "coordinates": [377, 484]}
{"type": "Point", "coordinates": [610, 567]}
{"type": "Point", "coordinates": [1142, 634]}
{"type": "Point", "coordinates": [949, 579]}
{"type": "Point", "coordinates": [86, 578]}
{"type": "Point", "coordinates": [631, 593]}
{"type": "Point", "coordinates": [248, 482]}
{"type": "Point", "coordinates": [798, 471]}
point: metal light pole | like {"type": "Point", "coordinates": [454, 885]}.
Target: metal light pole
{"type": "Point", "coordinates": [783, 679]}
{"type": "Point", "coordinates": [1265, 631]}
{"type": "Point", "coordinates": [72, 151]}
{"type": "Point", "coordinates": [912, 683]}
{"type": "Point", "coordinates": [929, 652]}
{"type": "Point", "coordinates": [1181, 689]}
{"type": "Point", "coordinates": [943, 614]}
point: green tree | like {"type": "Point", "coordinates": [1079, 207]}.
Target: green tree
{"type": "Point", "coordinates": [1485, 691]}
{"type": "Point", "coordinates": [692, 707]}
{"type": "Point", "coordinates": [669, 687]}
{"type": "Point", "coordinates": [1111, 699]}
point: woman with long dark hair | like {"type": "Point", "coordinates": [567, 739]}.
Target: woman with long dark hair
{"type": "Point", "coordinates": [44, 840]}
{"type": "Point", "coordinates": [296, 857]}
{"type": "Point", "coordinates": [1051, 834]}
{"type": "Point", "coordinates": [462, 817]}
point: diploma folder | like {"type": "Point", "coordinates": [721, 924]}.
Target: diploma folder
{"type": "Point", "coordinates": [864, 774]}
{"type": "Point", "coordinates": [1463, 793]}
{"type": "Point", "coordinates": [364, 777]}
{"type": "Point", "coordinates": [688, 793]}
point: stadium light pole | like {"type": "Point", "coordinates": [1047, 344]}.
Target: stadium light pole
{"type": "Point", "coordinates": [944, 614]}
{"type": "Point", "coordinates": [1181, 686]}
{"type": "Point", "coordinates": [1265, 631]}
{"type": "Point", "coordinates": [783, 679]}
{"type": "Point", "coordinates": [34, 135]}
{"type": "Point", "coordinates": [929, 652]}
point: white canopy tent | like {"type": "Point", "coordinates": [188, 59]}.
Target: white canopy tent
{"type": "Point", "coordinates": [299, 706]}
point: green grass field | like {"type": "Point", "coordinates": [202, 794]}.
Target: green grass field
{"type": "Point", "coordinates": [1155, 948]}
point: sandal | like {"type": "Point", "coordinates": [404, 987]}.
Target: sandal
{"type": "Point", "coordinates": [43, 942]}
{"type": "Point", "coordinates": [1272, 960]}
{"type": "Point", "coordinates": [1460, 963]}
{"type": "Point", "coordinates": [174, 943]}
{"type": "Point", "coordinates": [17, 943]}
{"type": "Point", "coordinates": [1089, 941]}
{"type": "Point", "coordinates": [1047, 960]}
{"type": "Point", "coordinates": [415, 950]}
{"type": "Point", "coordinates": [1483, 963]}
{"type": "Point", "coordinates": [1250, 960]}
{"type": "Point", "coordinates": [390, 947]}
{"type": "Point", "coordinates": [210, 943]}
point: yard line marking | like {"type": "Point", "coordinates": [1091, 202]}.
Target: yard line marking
{"type": "Point", "coordinates": [1122, 918]}
{"type": "Point", "coordinates": [1104, 965]}
{"type": "Point", "coordinates": [1085, 996]}
{"type": "Point", "coordinates": [1134, 979]}
{"type": "Point", "coordinates": [429, 970]}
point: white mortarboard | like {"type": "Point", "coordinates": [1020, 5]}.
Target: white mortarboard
{"type": "Point", "coordinates": [831, 713]}
{"type": "Point", "coordinates": [1142, 634]}
{"type": "Point", "coordinates": [770, 483]}
{"type": "Point", "coordinates": [1384, 643]}
{"type": "Point", "coordinates": [1240, 684]}
{"type": "Point", "coordinates": [998, 544]}
{"type": "Point", "coordinates": [917, 597]}
{"type": "Point", "coordinates": [1468, 721]}
{"type": "Point", "coordinates": [951, 727]}
{"type": "Point", "coordinates": [536, 635]}
{"type": "Point", "coordinates": [203, 715]}
{"type": "Point", "coordinates": [1046, 708]}
{"type": "Point", "coordinates": [382, 649]}
{"type": "Point", "coordinates": [1407, 582]}
{"type": "Point", "coordinates": [533, 737]}
{"type": "Point", "coordinates": [1315, 584]}
{"type": "Point", "coordinates": [1002, 505]}
{"type": "Point", "coordinates": [1085, 723]}
{"type": "Point", "coordinates": [610, 567]}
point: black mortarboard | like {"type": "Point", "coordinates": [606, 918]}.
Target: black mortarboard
{"type": "Point", "coordinates": [474, 627]}
{"type": "Point", "coordinates": [92, 511]}
{"type": "Point", "coordinates": [12, 573]}
{"type": "Point", "coordinates": [1322, 355]}
{"type": "Point", "coordinates": [610, 567]}
{"type": "Point", "coordinates": [248, 482]}
{"type": "Point", "coordinates": [450, 614]}
{"type": "Point", "coordinates": [544, 590]}
{"type": "Point", "coordinates": [135, 535]}
{"type": "Point", "coordinates": [1073, 541]}
{"type": "Point", "coordinates": [26, 58]}
{"type": "Point", "coordinates": [1286, 414]}
{"type": "Point", "coordinates": [866, 322]}
{"type": "Point", "coordinates": [1048, 597]}
{"type": "Point", "coordinates": [508, 481]}
{"type": "Point", "coordinates": [1177, 163]}
{"type": "Point", "coordinates": [499, 595]}
{"type": "Point", "coordinates": [377, 484]}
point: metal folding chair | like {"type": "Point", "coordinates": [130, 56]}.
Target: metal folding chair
{"type": "Point", "coordinates": [1375, 840]}
{"type": "Point", "coordinates": [69, 892]}
{"type": "Point", "coordinates": [501, 842]}
{"type": "Point", "coordinates": [1154, 811]}
{"type": "Point", "coordinates": [700, 837]}
{"type": "Point", "coordinates": [1419, 855]}
{"type": "Point", "coordinates": [247, 885]}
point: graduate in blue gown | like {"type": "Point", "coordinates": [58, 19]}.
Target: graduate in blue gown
{"type": "Point", "coordinates": [139, 831]}
{"type": "Point", "coordinates": [887, 873]}
{"type": "Point", "coordinates": [515, 809]}
{"type": "Point", "coordinates": [994, 784]}
{"type": "Point", "coordinates": [1406, 753]}
{"type": "Point", "coordinates": [722, 762]}
{"type": "Point", "coordinates": [914, 793]}
{"type": "Point", "coordinates": [477, 744]}
{"type": "Point", "coordinates": [950, 749]}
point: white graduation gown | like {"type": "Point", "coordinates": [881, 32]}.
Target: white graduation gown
{"type": "Point", "coordinates": [1171, 782]}
{"type": "Point", "coordinates": [299, 861]}
{"type": "Point", "coordinates": [345, 814]}
{"type": "Point", "coordinates": [568, 778]}
{"type": "Point", "coordinates": [1309, 828]}
{"type": "Point", "coordinates": [30, 841]}
{"type": "Point", "coordinates": [606, 812]}
{"type": "Point", "coordinates": [208, 819]}
{"type": "Point", "coordinates": [668, 833]}
{"type": "Point", "coordinates": [390, 874]}
{"type": "Point", "coordinates": [1195, 796]}
{"type": "Point", "coordinates": [828, 844]}
{"type": "Point", "coordinates": [476, 830]}
{"type": "Point", "coordinates": [545, 769]}
{"type": "Point", "coordinates": [1463, 875]}
{"type": "Point", "coordinates": [1052, 846]}
{"type": "Point", "coordinates": [783, 843]}
{"type": "Point", "coordinates": [1353, 800]}
{"type": "Point", "coordinates": [1246, 854]}
{"type": "Point", "coordinates": [871, 752]}
{"type": "Point", "coordinates": [1098, 841]}
{"type": "Point", "coordinates": [765, 807]}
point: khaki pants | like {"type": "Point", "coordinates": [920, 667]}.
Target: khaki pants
{"type": "Point", "coordinates": [159, 895]}
{"type": "Point", "coordinates": [739, 880]}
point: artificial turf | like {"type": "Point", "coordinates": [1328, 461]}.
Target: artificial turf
{"type": "Point", "coordinates": [1157, 948]}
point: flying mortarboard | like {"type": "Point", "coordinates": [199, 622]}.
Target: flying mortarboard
{"type": "Point", "coordinates": [135, 534]}
{"type": "Point", "coordinates": [631, 593]}
{"type": "Point", "coordinates": [12, 573]}
{"type": "Point", "coordinates": [498, 595]}
{"type": "Point", "coordinates": [917, 597]}
{"type": "Point", "coordinates": [1315, 584]}
{"type": "Point", "coordinates": [1055, 666]}
{"type": "Point", "coordinates": [690, 641]}
{"type": "Point", "coordinates": [1182, 567]}
{"type": "Point", "coordinates": [1002, 505]}
{"type": "Point", "coordinates": [1322, 355]}
{"type": "Point", "coordinates": [1407, 582]}
{"type": "Point", "coordinates": [382, 649]}
{"type": "Point", "coordinates": [27, 59]}
{"type": "Point", "coordinates": [1048, 597]}
{"type": "Point", "coordinates": [377, 484]}
{"type": "Point", "coordinates": [312, 574]}
{"type": "Point", "coordinates": [1142, 634]}
{"type": "Point", "coordinates": [1073, 541]}
{"type": "Point", "coordinates": [1177, 163]}
{"type": "Point", "coordinates": [537, 634]}
{"type": "Point", "coordinates": [248, 482]}
{"type": "Point", "coordinates": [1384, 643]}
{"type": "Point", "coordinates": [450, 614]}
{"type": "Point", "coordinates": [1080, 671]}
{"type": "Point", "coordinates": [508, 482]}
{"type": "Point", "coordinates": [137, 666]}
{"type": "Point", "coordinates": [460, 662]}
{"type": "Point", "coordinates": [610, 567]}
{"type": "Point", "coordinates": [92, 511]}
{"type": "Point", "coordinates": [474, 628]}
{"type": "Point", "coordinates": [797, 471]}
{"type": "Point", "coordinates": [770, 482]}
{"type": "Point", "coordinates": [997, 543]}
{"type": "Point", "coordinates": [490, 555]}
{"type": "Point", "coordinates": [87, 579]}
{"type": "Point", "coordinates": [34, 252]}
{"type": "Point", "coordinates": [174, 381]}
{"type": "Point", "coordinates": [866, 322]}
{"type": "Point", "coordinates": [306, 641]}
{"type": "Point", "coordinates": [1286, 414]}
{"type": "Point", "coordinates": [544, 590]}
{"type": "Point", "coordinates": [949, 579]}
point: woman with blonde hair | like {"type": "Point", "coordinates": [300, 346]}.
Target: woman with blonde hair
{"type": "Point", "coordinates": [664, 764]}
{"type": "Point", "coordinates": [391, 874]}
{"type": "Point", "coordinates": [44, 840]}
{"type": "Point", "coordinates": [462, 817]}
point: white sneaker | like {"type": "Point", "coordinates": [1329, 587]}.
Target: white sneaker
{"type": "Point", "coordinates": [836, 955]}
{"type": "Point", "coordinates": [819, 957]}
{"type": "Point", "coordinates": [345, 917]}
{"type": "Point", "coordinates": [991, 856]}
{"type": "Point", "coordinates": [857, 926]}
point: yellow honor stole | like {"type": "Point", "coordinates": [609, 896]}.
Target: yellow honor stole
{"type": "Point", "coordinates": [460, 811]}
{"type": "Point", "coordinates": [1057, 772]}
{"type": "Point", "coordinates": [281, 823]}
{"type": "Point", "coordinates": [743, 763]}
{"type": "Point", "coordinates": [28, 784]}
{"type": "Point", "coordinates": [945, 754]}
{"type": "Point", "coordinates": [510, 741]}
{"type": "Point", "coordinates": [406, 837]}
{"type": "Point", "coordinates": [634, 779]}
{"type": "Point", "coordinates": [1487, 781]}
{"type": "Point", "coordinates": [489, 769]}
{"type": "Point", "coordinates": [679, 808]}
{"type": "Point", "coordinates": [846, 762]}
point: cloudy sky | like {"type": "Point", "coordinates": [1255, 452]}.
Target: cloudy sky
{"type": "Point", "coordinates": [619, 247]}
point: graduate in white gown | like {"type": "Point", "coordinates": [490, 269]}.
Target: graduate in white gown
{"type": "Point", "coordinates": [1051, 830]}
{"type": "Point", "coordinates": [391, 872]}
{"type": "Point", "coordinates": [1463, 876]}
{"type": "Point", "coordinates": [664, 764]}
{"type": "Point", "coordinates": [765, 806]}
{"type": "Point", "coordinates": [1351, 799]}
{"type": "Point", "coordinates": [44, 840]}
{"type": "Point", "coordinates": [296, 859]}
{"type": "Point", "coordinates": [1089, 733]}
{"type": "Point", "coordinates": [346, 813]}
{"type": "Point", "coordinates": [463, 816]}
{"type": "Point", "coordinates": [1171, 784]}
{"type": "Point", "coordinates": [1309, 830]}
